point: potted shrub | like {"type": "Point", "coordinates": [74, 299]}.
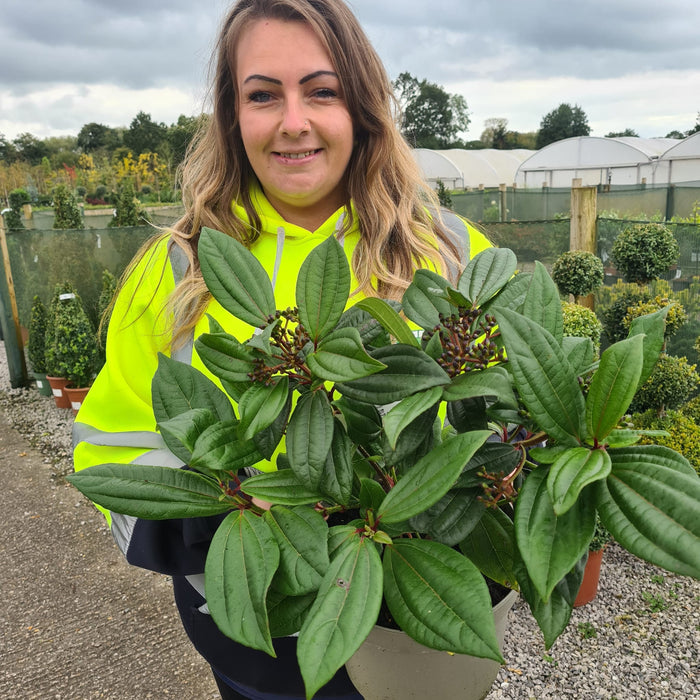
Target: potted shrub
{"type": "Point", "coordinates": [643, 252]}
{"type": "Point", "coordinates": [56, 380]}
{"type": "Point", "coordinates": [74, 349]}
{"type": "Point", "coordinates": [578, 272]}
{"type": "Point", "coordinates": [36, 345]}
{"type": "Point", "coordinates": [591, 573]}
{"type": "Point", "coordinates": [377, 504]}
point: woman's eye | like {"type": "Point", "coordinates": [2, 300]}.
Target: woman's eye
{"type": "Point", "coordinates": [259, 96]}
{"type": "Point", "coordinates": [325, 93]}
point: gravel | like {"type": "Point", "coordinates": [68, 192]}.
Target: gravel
{"type": "Point", "coordinates": [639, 639]}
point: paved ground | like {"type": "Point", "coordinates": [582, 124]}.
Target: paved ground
{"type": "Point", "coordinates": [77, 622]}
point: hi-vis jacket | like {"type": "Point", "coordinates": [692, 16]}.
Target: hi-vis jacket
{"type": "Point", "coordinates": [116, 421]}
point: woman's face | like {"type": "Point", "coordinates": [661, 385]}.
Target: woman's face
{"type": "Point", "coordinates": [296, 128]}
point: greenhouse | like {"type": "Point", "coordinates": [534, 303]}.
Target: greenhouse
{"type": "Point", "coordinates": [680, 163]}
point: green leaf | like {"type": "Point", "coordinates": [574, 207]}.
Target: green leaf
{"type": "Point", "coordinates": [431, 477]}
{"type": "Point", "coordinates": [371, 330]}
{"type": "Point", "coordinates": [241, 562]}
{"type": "Point", "coordinates": [408, 371]}
{"type": "Point", "coordinates": [345, 610]}
{"type": "Point", "coordinates": [225, 357]}
{"type": "Point", "coordinates": [494, 382]}
{"type": "Point", "coordinates": [407, 410]}
{"type": "Point", "coordinates": [235, 277]}
{"type": "Point", "coordinates": [389, 318]}
{"type": "Point", "coordinates": [625, 438]}
{"type": "Point", "coordinates": [371, 496]}
{"type": "Point", "coordinates": [580, 352]}
{"type": "Point", "coordinates": [424, 301]}
{"type": "Point", "coordinates": [283, 487]}
{"type": "Point", "coordinates": [486, 273]}
{"type": "Point", "coordinates": [542, 303]}
{"type": "Point", "coordinates": [268, 439]}
{"type": "Point", "coordinates": [219, 449]}
{"type": "Point", "coordinates": [613, 386]}
{"type": "Point", "coordinates": [286, 614]}
{"type": "Point", "coordinates": [571, 472]}
{"type": "Point", "coordinates": [512, 296]}
{"type": "Point", "coordinates": [309, 437]}
{"type": "Point", "coordinates": [362, 421]}
{"type": "Point", "coordinates": [544, 377]}
{"type": "Point", "coordinates": [652, 327]}
{"type": "Point", "coordinates": [187, 427]}
{"type": "Point", "coordinates": [153, 493]}
{"type": "Point", "coordinates": [260, 406]}
{"type": "Point", "coordinates": [550, 545]}
{"type": "Point", "coordinates": [439, 598]}
{"type": "Point", "coordinates": [650, 504]}
{"type": "Point", "coordinates": [492, 458]}
{"type": "Point", "coordinates": [491, 547]}
{"type": "Point", "coordinates": [300, 533]}
{"type": "Point", "coordinates": [337, 475]}
{"type": "Point", "coordinates": [341, 357]}
{"type": "Point", "coordinates": [323, 287]}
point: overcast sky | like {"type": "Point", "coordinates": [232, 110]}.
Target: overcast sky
{"type": "Point", "coordinates": [628, 63]}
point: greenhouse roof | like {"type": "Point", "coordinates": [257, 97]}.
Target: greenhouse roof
{"type": "Point", "coordinates": [687, 148]}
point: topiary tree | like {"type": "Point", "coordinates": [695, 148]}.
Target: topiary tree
{"type": "Point", "coordinates": [622, 298]}
{"type": "Point", "coordinates": [681, 432]}
{"type": "Point", "coordinates": [443, 194]}
{"type": "Point", "coordinates": [13, 217]}
{"type": "Point", "coordinates": [128, 210]}
{"type": "Point", "coordinates": [66, 209]}
{"type": "Point", "coordinates": [643, 252]}
{"type": "Point", "coordinates": [676, 317]}
{"type": "Point", "coordinates": [36, 344]}
{"type": "Point", "coordinates": [581, 322]}
{"type": "Point", "coordinates": [672, 381]}
{"type": "Point", "coordinates": [578, 272]}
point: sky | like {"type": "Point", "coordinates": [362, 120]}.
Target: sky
{"type": "Point", "coordinates": [627, 63]}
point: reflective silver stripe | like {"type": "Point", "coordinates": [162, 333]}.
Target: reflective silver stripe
{"type": "Point", "coordinates": [455, 224]}
{"type": "Point", "coordinates": [278, 255]}
{"type": "Point", "coordinates": [339, 232]}
{"type": "Point", "coordinates": [82, 432]}
{"type": "Point", "coordinates": [178, 262]}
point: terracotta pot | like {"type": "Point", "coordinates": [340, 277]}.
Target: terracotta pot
{"type": "Point", "coordinates": [42, 384]}
{"type": "Point", "coordinates": [76, 397]}
{"type": "Point", "coordinates": [58, 385]}
{"type": "Point", "coordinates": [391, 666]}
{"type": "Point", "coordinates": [591, 575]}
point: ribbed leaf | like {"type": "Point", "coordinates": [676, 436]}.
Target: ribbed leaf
{"type": "Point", "coordinates": [286, 614]}
{"type": "Point", "coordinates": [235, 277]}
{"type": "Point", "coordinates": [431, 477]}
{"type": "Point", "coordinates": [580, 352]}
{"type": "Point", "coordinates": [408, 371]}
{"type": "Point", "coordinates": [341, 357]}
{"type": "Point", "coordinates": [188, 426]}
{"type": "Point", "coordinates": [549, 545]}
{"type": "Point", "coordinates": [241, 562]}
{"type": "Point", "coordinates": [283, 487]}
{"type": "Point", "coordinates": [652, 327]}
{"type": "Point", "coordinates": [542, 303]}
{"type": "Point", "coordinates": [544, 377]}
{"type": "Point", "coordinates": [218, 448]}
{"type": "Point", "coordinates": [260, 406]}
{"type": "Point", "coordinates": [424, 300]}
{"type": "Point", "coordinates": [613, 386]}
{"type": "Point", "coordinates": [225, 357]}
{"type": "Point", "coordinates": [486, 273]}
{"type": "Point", "coordinates": [153, 493]}
{"type": "Point", "coordinates": [512, 296]}
{"type": "Point", "coordinates": [494, 382]}
{"type": "Point", "coordinates": [439, 598]}
{"type": "Point", "coordinates": [337, 475]}
{"type": "Point", "coordinates": [651, 505]}
{"type": "Point", "coordinates": [301, 533]}
{"type": "Point", "coordinates": [323, 287]}
{"type": "Point", "coordinates": [389, 318]}
{"type": "Point", "coordinates": [346, 609]}
{"type": "Point", "coordinates": [571, 472]}
{"type": "Point", "coordinates": [362, 420]}
{"type": "Point", "coordinates": [407, 410]}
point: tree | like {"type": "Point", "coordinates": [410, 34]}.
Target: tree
{"type": "Point", "coordinates": [30, 148]}
{"type": "Point", "coordinates": [626, 132]}
{"type": "Point", "coordinates": [179, 136]}
{"type": "Point", "coordinates": [66, 210]}
{"type": "Point", "coordinates": [143, 134]}
{"type": "Point", "coordinates": [92, 137]}
{"type": "Point", "coordinates": [431, 117]}
{"type": "Point", "coordinates": [562, 123]}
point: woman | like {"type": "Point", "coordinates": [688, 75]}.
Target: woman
{"type": "Point", "coordinates": [302, 145]}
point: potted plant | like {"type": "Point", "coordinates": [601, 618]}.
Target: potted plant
{"type": "Point", "coordinates": [56, 380]}
{"type": "Point", "coordinates": [74, 346]}
{"type": "Point", "coordinates": [377, 503]}
{"type": "Point", "coordinates": [578, 272]}
{"type": "Point", "coordinates": [591, 573]}
{"type": "Point", "coordinates": [36, 345]}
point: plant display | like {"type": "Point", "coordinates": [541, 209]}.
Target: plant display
{"type": "Point", "coordinates": [619, 300]}
{"type": "Point", "coordinates": [643, 252]}
{"type": "Point", "coordinates": [580, 322]}
{"type": "Point", "coordinates": [671, 383]}
{"type": "Point", "coordinates": [578, 272]}
{"type": "Point", "coordinates": [128, 211]}
{"type": "Point", "coordinates": [66, 209]}
{"type": "Point", "coordinates": [17, 199]}
{"type": "Point", "coordinates": [73, 342]}
{"type": "Point", "coordinates": [36, 344]}
{"type": "Point", "coordinates": [676, 317]}
{"type": "Point", "coordinates": [601, 537]}
{"type": "Point", "coordinates": [376, 499]}
{"type": "Point", "coordinates": [677, 429]}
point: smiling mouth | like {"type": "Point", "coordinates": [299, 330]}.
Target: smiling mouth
{"type": "Point", "coordinates": [298, 156]}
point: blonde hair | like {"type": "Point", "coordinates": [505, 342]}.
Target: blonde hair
{"type": "Point", "coordinates": [390, 196]}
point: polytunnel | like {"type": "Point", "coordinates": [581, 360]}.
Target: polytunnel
{"type": "Point", "coordinates": [680, 163]}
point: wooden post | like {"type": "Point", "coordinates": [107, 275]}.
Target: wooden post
{"type": "Point", "coordinates": [582, 234]}
{"type": "Point", "coordinates": [502, 209]}
{"type": "Point", "coordinates": [12, 333]}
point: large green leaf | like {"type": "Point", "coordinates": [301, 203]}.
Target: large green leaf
{"type": "Point", "coordinates": [547, 384]}
{"type": "Point", "coordinates": [613, 386]}
{"type": "Point", "coordinates": [341, 357]}
{"type": "Point", "coordinates": [260, 406]}
{"type": "Point", "coordinates": [550, 545]}
{"type": "Point", "coordinates": [424, 300]}
{"type": "Point", "coordinates": [323, 287]}
{"type": "Point", "coordinates": [188, 426]}
{"type": "Point", "coordinates": [337, 475]}
{"type": "Point", "coordinates": [346, 609]}
{"type": "Point", "coordinates": [431, 477]}
{"type": "Point", "coordinates": [494, 382]}
{"type": "Point", "coordinates": [439, 598]}
{"type": "Point", "coordinates": [301, 534]}
{"type": "Point", "coordinates": [286, 614]}
{"type": "Point", "coordinates": [651, 505]}
{"type": "Point", "coordinates": [235, 277]}
{"type": "Point", "coordinates": [225, 357]}
{"type": "Point", "coordinates": [362, 421]}
{"type": "Point", "coordinates": [491, 547]}
{"type": "Point", "coordinates": [652, 327]}
{"type": "Point", "coordinates": [268, 439]}
{"type": "Point", "coordinates": [283, 487]}
{"type": "Point", "coordinates": [542, 303]}
{"type": "Point", "coordinates": [512, 296]}
{"type": "Point", "coordinates": [572, 471]}
{"type": "Point", "coordinates": [241, 562]}
{"type": "Point", "coordinates": [389, 318]}
{"type": "Point", "coordinates": [408, 371]}
{"type": "Point", "coordinates": [153, 493]}
{"type": "Point", "coordinates": [486, 273]}
{"type": "Point", "coordinates": [218, 448]}
{"type": "Point", "coordinates": [309, 437]}
{"type": "Point", "coordinates": [580, 352]}
{"type": "Point", "coordinates": [407, 410]}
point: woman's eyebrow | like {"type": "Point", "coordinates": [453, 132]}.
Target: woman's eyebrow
{"type": "Point", "coordinates": [305, 79]}
{"type": "Point", "coordinates": [264, 78]}
{"type": "Point", "coordinates": [316, 74]}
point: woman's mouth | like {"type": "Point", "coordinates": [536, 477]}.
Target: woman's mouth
{"type": "Point", "coordinates": [297, 156]}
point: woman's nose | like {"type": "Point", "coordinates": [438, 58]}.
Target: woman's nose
{"type": "Point", "coordinates": [294, 122]}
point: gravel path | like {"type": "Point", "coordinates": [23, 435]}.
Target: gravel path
{"type": "Point", "coordinates": [638, 640]}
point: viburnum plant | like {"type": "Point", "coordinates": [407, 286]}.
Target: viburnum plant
{"type": "Point", "coordinates": [420, 449]}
